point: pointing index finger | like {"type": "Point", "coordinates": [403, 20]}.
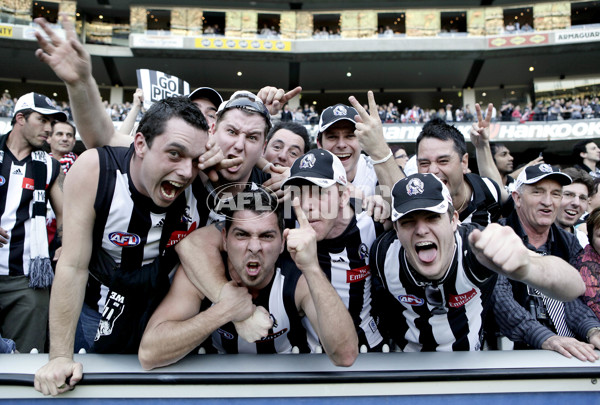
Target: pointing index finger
{"type": "Point", "coordinates": [300, 215]}
{"type": "Point", "coordinates": [292, 93]}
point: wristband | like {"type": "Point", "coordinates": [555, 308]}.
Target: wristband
{"type": "Point", "coordinates": [385, 159]}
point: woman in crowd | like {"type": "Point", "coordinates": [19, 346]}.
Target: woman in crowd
{"type": "Point", "coordinates": [588, 263]}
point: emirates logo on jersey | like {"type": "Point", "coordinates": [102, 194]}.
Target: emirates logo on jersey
{"type": "Point", "coordinates": [177, 236]}
{"type": "Point", "coordinates": [457, 301]}
{"type": "Point", "coordinates": [358, 274]}
{"type": "Point", "coordinates": [28, 184]}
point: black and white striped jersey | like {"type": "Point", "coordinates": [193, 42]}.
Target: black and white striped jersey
{"type": "Point", "coordinates": [400, 298]}
{"type": "Point", "coordinates": [278, 298]}
{"type": "Point", "coordinates": [345, 261]}
{"type": "Point", "coordinates": [16, 204]}
{"type": "Point", "coordinates": [484, 207]}
{"type": "Point", "coordinates": [365, 178]}
{"type": "Point", "coordinates": [133, 245]}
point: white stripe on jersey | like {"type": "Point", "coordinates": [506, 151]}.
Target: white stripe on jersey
{"type": "Point", "coordinates": [8, 221]}
{"type": "Point", "coordinates": [440, 326]}
{"type": "Point", "coordinates": [365, 178]}
{"type": "Point", "coordinates": [492, 190]}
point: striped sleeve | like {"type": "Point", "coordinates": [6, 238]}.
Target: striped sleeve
{"type": "Point", "coordinates": [516, 322]}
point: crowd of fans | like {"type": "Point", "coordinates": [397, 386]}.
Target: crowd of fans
{"type": "Point", "coordinates": [551, 110]}
{"type": "Point", "coordinates": [382, 253]}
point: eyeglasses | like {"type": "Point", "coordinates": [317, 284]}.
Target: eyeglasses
{"type": "Point", "coordinates": [434, 297]}
{"type": "Point", "coordinates": [245, 100]}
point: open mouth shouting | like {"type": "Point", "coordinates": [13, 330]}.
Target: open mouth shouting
{"type": "Point", "coordinates": [253, 268]}
{"type": "Point", "coordinates": [169, 189]}
{"type": "Point", "coordinates": [426, 251]}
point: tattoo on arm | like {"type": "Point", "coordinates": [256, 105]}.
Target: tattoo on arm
{"type": "Point", "coordinates": [59, 231]}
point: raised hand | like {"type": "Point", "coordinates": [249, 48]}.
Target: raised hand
{"type": "Point", "coordinates": [500, 249]}
{"type": "Point", "coordinates": [369, 129]}
{"type": "Point", "coordinates": [67, 58]}
{"type": "Point", "coordinates": [274, 98]}
{"type": "Point", "coordinates": [480, 131]}
{"type": "Point", "coordinates": [138, 97]}
{"type": "Point", "coordinates": [302, 241]}
{"type": "Point", "coordinates": [212, 160]}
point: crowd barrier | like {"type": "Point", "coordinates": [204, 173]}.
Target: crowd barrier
{"type": "Point", "coordinates": [491, 377]}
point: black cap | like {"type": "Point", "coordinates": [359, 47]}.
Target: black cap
{"type": "Point", "coordinates": [420, 191]}
{"type": "Point", "coordinates": [336, 113]}
{"type": "Point", "coordinates": [208, 93]}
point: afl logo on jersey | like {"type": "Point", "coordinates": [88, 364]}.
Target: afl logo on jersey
{"type": "Point", "coordinates": [225, 334]}
{"type": "Point", "coordinates": [2, 180]}
{"type": "Point", "coordinates": [124, 239]}
{"type": "Point", "coordinates": [411, 300]}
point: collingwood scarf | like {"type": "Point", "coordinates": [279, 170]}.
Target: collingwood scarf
{"type": "Point", "coordinates": [40, 269]}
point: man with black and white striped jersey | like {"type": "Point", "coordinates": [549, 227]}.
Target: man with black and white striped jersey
{"type": "Point", "coordinates": [344, 236]}
{"type": "Point", "coordinates": [28, 175]}
{"type": "Point", "coordinates": [434, 278]}
{"type": "Point", "coordinates": [289, 287]}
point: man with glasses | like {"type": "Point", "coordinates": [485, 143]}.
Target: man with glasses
{"type": "Point", "coordinates": [574, 203]}
{"type": "Point", "coordinates": [527, 315]}
{"type": "Point", "coordinates": [434, 278]}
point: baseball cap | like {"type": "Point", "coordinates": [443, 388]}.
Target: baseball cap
{"type": "Point", "coordinates": [246, 101]}
{"type": "Point", "coordinates": [420, 191]}
{"type": "Point", "coordinates": [39, 103]}
{"type": "Point", "coordinates": [208, 93]}
{"type": "Point", "coordinates": [336, 113]}
{"type": "Point", "coordinates": [534, 173]}
{"type": "Point", "coordinates": [318, 166]}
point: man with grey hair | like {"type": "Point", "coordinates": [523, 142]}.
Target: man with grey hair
{"type": "Point", "coordinates": [539, 321]}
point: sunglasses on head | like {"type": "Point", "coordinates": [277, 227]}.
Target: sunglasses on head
{"type": "Point", "coordinates": [248, 102]}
